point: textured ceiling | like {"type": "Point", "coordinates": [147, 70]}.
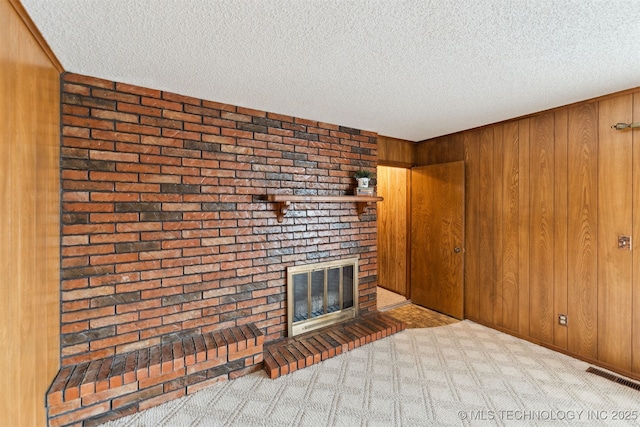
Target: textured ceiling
{"type": "Point", "coordinates": [410, 69]}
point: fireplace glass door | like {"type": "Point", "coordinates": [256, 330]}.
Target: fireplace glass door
{"type": "Point", "coordinates": [320, 294]}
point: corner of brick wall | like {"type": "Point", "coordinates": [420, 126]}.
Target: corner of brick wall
{"type": "Point", "coordinates": [165, 232]}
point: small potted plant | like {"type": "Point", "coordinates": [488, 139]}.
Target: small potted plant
{"type": "Point", "coordinates": [363, 177]}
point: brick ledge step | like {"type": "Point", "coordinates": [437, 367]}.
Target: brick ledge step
{"type": "Point", "coordinates": [105, 389]}
{"type": "Point", "coordinates": [289, 354]}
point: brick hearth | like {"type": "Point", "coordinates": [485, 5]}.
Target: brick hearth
{"type": "Point", "coordinates": [289, 354]}
{"type": "Point", "coordinates": [104, 389]}
{"type": "Point", "coordinates": [94, 392]}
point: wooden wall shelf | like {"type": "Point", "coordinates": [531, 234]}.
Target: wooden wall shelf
{"type": "Point", "coordinates": [283, 201]}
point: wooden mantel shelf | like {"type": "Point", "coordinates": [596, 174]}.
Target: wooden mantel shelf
{"type": "Point", "coordinates": [284, 201]}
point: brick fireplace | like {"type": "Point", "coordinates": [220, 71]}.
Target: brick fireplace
{"type": "Point", "coordinates": [321, 294]}
{"type": "Point", "coordinates": [166, 230]}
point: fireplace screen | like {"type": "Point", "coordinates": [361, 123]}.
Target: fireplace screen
{"type": "Point", "coordinates": [321, 294]}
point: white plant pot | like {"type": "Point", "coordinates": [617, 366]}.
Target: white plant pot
{"type": "Point", "coordinates": [363, 182]}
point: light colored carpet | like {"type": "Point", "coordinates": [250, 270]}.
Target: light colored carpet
{"type": "Point", "coordinates": [460, 374]}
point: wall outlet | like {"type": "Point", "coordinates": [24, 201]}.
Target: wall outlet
{"type": "Point", "coordinates": [562, 319]}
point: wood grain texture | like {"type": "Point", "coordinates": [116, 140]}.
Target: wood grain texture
{"type": "Point", "coordinates": [445, 149]}
{"type": "Point", "coordinates": [635, 332]}
{"type": "Point", "coordinates": [29, 222]}
{"type": "Point", "coordinates": [582, 250]}
{"type": "Point", "coordinates": [510, 224]}
{"type": "Point", "coordinates": [421, 232]}
{"type": "Point", "coordinates": [486, 225]}
{"type": "Point", "coordinates": [568, 187]}
{"type": "Point", "coordinates": [35, 33]}
{"type": "Point", "coordinates": [560, 228]}
{"type": "Point", "coordinates": [396, 152]}
{"type": "Point", "coordinates": [615, 204]}
{"type": "Point", "coordinates": [408, 256]}
{"type": "Point", "coordinates": [437, 228]}
{"type": "Point", "coordinates": [498, 173]}
{"type": "Point", "coordinates": [541, 227]}
{"type": "Point", "coordinates": [472, 218]}
{"type": "Point", "coordinates": [523, 234]}
{"type": "Point", "coordinates": [392, 228]}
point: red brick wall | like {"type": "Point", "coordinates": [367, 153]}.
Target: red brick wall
{"type": "Point", "coordinates": [165, 231]}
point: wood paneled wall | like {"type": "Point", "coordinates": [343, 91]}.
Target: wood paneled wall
{"type": "Point", "coordinates": [396, 152]}
{"type": "Point", "coordinates": [546, 198]}
{"type": "Point", "coordinates": [395, 158]}
{"type": "Point", "coordinates": [29, 219]}
{"type": "Point", "coordinates": [445, 149]}
{"type": "Point", "coordinates": [393, 228]}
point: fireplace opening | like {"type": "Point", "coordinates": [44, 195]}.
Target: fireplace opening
{"type": "Point", "coordinates": [321, 294]}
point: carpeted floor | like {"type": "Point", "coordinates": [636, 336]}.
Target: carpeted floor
{"type": "Point", "coordinates": [460, 374]}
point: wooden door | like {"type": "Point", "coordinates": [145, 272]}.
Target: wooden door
{"type": "Point", "coordinates": [437, 237]}
{"type": "Point", "coordinates": [393, 218]}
